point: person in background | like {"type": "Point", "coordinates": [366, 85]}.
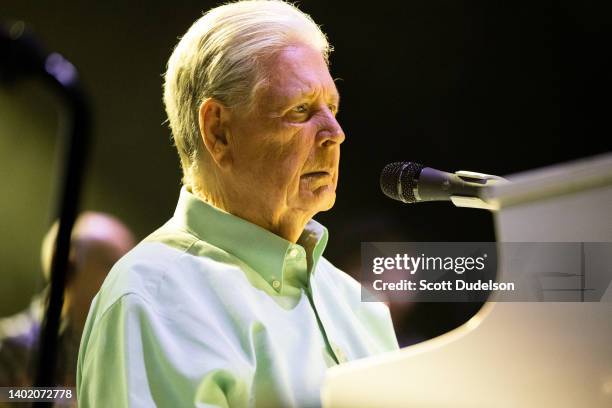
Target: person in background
{"type": "Point", "coordinates": [98, 240]}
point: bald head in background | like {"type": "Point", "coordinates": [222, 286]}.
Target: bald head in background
{"type": "Point", "coordinates": [98, 240]}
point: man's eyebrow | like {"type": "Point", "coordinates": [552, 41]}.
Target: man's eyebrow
{"type": "Point", "coordinates": [336, 96]}
{"type": "Point", "coordinates": [309, 92]}
{"type": "Point", "coordinates": [336, 92]}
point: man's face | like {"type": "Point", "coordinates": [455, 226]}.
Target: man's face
{"type": "Point", "coordinates": [287, 149]}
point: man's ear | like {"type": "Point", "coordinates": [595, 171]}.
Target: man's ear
{"type": "Point", "coordinates": [213, 120]}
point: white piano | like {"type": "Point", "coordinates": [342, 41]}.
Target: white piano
{"type": "Point", "coordinates": [528, 354]}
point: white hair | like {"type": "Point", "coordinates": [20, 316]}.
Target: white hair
{"type": "Point", "coordinates": [221, 57]}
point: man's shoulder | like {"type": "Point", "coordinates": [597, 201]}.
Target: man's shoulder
{"type": "Point", "coordinates": [171, 235]}
{"type": "Point", "coordinates": [143, 269]}
{"type": "Point", "coordinates": [168, 262]}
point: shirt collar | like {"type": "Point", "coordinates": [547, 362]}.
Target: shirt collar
{"type": "Point", "coordinates": [264, 251]}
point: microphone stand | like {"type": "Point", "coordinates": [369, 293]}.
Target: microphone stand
{"type": "Point", "coordinates": [21, 57]}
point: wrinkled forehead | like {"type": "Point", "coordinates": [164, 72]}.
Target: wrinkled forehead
{"type": "Point", "coordinates": [297, 72]}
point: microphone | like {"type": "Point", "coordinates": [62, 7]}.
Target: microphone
{"type": "Point", "coordinates": [412, 183]}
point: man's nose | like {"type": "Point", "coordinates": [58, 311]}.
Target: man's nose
{"type": "Point", "coordinates": [331, 132]}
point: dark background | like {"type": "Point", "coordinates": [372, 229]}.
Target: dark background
{"type": "Point", "coordinates": [491, 86]}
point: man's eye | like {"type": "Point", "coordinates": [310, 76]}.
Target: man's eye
{"type": "Point", "coordinates": [303, 108]}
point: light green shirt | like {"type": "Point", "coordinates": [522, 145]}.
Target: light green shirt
{"type": "Point", "coordinates": [211, 310]}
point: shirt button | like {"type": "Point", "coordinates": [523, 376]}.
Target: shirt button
{"type": "Point", "coordinates": [275, 284]}
{"type": "Point", "coordinates": [293, 252]}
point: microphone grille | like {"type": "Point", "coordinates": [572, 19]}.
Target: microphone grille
{"type": "Point", "coordinates": [398, 180]}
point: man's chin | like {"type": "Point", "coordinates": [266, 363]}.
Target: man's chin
{"type": "Point", "coordinates": [322, 198]}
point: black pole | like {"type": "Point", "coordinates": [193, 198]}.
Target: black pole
{"type": "Point", "coordinates": [21, 56]}
{"type": "Point", "coordinates": [74, 138]}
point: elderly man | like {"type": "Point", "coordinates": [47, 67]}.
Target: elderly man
{"type": "Point", "coordinates": [231, 303]}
